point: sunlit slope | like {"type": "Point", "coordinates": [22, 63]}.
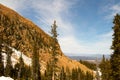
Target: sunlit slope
{"type": "Point", "coordinates": [20, 32]}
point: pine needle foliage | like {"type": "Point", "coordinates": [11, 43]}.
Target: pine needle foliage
{"type": "Point", "coordinates": [115, 57]}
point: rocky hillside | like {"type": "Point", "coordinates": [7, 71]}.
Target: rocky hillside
{"type": "Point", "coordinates": [18, 33]}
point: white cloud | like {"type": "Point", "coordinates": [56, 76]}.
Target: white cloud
{"type": "Point", "coordinates": [15, 4]}
{"type": "Point", "coordinates": [50, 10]}
{"type": "Point", "coordinates": [113, 10]}
{"type": "Point", "coordinates": [47, 12]}
{"type": "Point", "coordinates": [71, 45]}
{"type": "Point", "coordinates": [53, 10]}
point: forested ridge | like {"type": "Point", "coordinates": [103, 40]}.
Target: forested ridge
{"type": "Point", "coordinates": [20, 34]}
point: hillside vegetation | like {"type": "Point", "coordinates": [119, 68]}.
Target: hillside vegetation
{"type": "Point", "coordinates": [19, 33]}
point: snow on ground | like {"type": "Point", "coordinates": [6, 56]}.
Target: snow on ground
{"type": "Point", "coordinates": [15, 57]}
{"type": "Point", "coordinates": [5, 78]}
{"type": "Point", "coordinates": [99, 74]}
{"type": "Point", "coordinates": [4, 58]}
{"type": "Point", "coordinates": [17, 54]}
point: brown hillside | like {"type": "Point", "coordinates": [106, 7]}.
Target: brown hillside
{"type": "Point", "coordinates": [17, 32]}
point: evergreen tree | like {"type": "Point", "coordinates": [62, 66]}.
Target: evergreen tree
{"type": "Point", "coordinates": [102, 66]}
{"type": "Point", "coordinates": [22, 72]}
{"type": "Point", "coordinates": [97, 70]}
{"type": "Point", "coordinates": [74, 74]}
{"type": "Point", "coordinates": [54, 51]}
{"type": "Point", "coordinates": [115, 57]}
{"type": "Point", "coordinates": [88, 76]}
{"type": "Point", "coordinates": [108, 70]}
{"type": "Point", "coordinates": [21, 68]}
{"type": "Point", "coordinates": [28, 73]}
{"type": "Point", "coordinates": [88, 64]}
{"type": "Point", "coordinates": [105, 69]}
{"type": "Point", "coordinates": [36, 75]}
{"type": "Point", "coordinates": [62, 74]}
{"type": "Point", "coordinates": [1, 46]}
{"type": "Point", "coordinates": [9, 67]}
{"type": "Point", "coordinates": [16, 70]}
{"type": "Point", "coordinates": [68, 73]}
{"type": "Point", "coordinates": [48, 72]}
{"type": "Point", "coordinates": [1, 63]}
{"type": "Point", "coordinates": [36, 64]}
{"type": "Point", "coordinates": [80, 74]}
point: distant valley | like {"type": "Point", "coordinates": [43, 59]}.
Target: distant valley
{"type": "Point", "coordinates": [90, 57]}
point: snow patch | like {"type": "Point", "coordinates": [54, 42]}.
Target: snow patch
{"type": "Point", "coordinates": [17, 55]}
{"type": "Point", "coordinates": [15, 58]}
{"type": "Point", "coordinates": [5, 78]}
{"type": "Point", "coordinates": [4, 58]}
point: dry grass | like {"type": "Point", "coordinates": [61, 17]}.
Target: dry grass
{"type": "Point", "coordinates": [27, 48]}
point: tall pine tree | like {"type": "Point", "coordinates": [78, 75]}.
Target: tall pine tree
{"type": "Point", "coordinates": [9, 67]}
{"type": "Point", "coordinates": [1, 63]}
{"type": "Point", "coordinates": [48, 72]}
{"type": "Point", "coordinates": [21, 68]}
{"type": "Point", "coordinates": [62, 74]}
{"type": "Point", "coordinates": [36, 75]}
{"type": "Point", "coordinates": [54, 50]}
{"type": "Point", "coordinates": [1, 57]}
{"type": "Point", "coordinates": [115, 57]}
{"type": "Point", "coordinates": [105, 69]}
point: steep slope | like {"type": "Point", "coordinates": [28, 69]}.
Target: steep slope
{"type": "Point", "coordinates": [18, 32]}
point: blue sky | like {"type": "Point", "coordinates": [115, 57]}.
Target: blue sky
{"type": "Point", "coordinates": [84, 26]}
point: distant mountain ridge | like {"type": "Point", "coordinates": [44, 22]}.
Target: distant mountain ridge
{"type": "Point", "coordinates": [89, 57]}
{"type": "Point", "coordinates": [17, 32]}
